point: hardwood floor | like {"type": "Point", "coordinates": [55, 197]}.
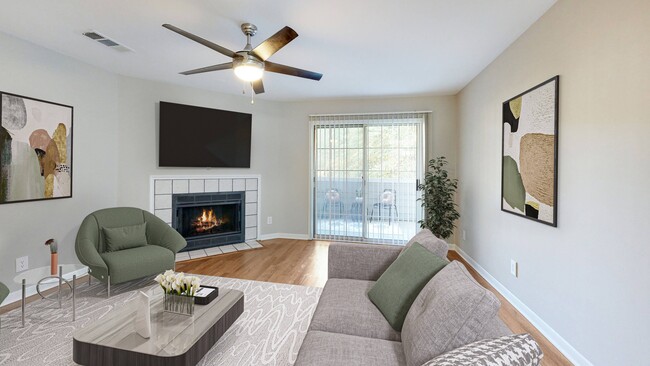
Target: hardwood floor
{"type": "Point", "coordinates": [297, 262]}
{"type": "Point", "coordinates": [302, 262]}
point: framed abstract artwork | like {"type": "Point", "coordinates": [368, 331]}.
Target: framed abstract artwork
{"type": "Point", "coordinates": [35, 149]}
{"type": "Point", "coordinates": [529, 153]}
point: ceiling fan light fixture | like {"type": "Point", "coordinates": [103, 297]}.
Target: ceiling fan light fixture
{"type": "Point", "coordinates": [249, 69]}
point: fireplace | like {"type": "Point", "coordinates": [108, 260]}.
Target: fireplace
{"type": "Point", "coordinates": [209, 219]}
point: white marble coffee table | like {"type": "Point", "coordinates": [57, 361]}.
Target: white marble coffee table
{"type": "Point", "coordinates": [175, 339]}
{"type": "Point", "coordinates": [42, 276]}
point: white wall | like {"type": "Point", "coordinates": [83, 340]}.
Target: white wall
{"type": "Point", "coordinates": [587, 278]}
{"type": "Point", "coordinates": [33, 71]}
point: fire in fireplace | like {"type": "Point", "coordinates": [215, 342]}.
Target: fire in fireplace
{"type": "Point", "coordinates": [207, 219]}
{"type": "Point", "coordinates": [208, 222]}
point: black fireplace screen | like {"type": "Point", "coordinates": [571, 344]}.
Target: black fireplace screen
{"type": "Point", "coordinates": [209, 220]}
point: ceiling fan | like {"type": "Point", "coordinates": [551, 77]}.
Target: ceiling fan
{"type": "Point", "coordinates": [250, 63]}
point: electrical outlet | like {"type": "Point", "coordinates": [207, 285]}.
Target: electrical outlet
{"type": "Point", "coordinates": [269, 220]}
{"type": "Point", "coordinates": [22, 264]}
{"type": "Point", "coordinates": [514, 268]}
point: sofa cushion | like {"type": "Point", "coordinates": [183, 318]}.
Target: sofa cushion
{"type": "Point", "coordinates": [125, 237]}
{"type": "Point", "coordinates": [129, 264]}
{"type": "Point", "coordinates": [434, 244]}
{"type": "Point", "coordinates": [331, 349]}
{"type": "Point", "coordinates": [115, 217]}
{"type": "Point", "coordinates": [515, 350]}
{"type": "Point", "coordinates": [494, 328]}
{"type": "Point", "coordinates": [451, 311]}
{"type": "Point", "coordinates": [400, 284]}
{"type": "Point", "coordinates": [345, 308]}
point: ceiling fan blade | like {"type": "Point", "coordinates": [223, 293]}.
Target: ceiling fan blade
{"type": "Point", "coordinates": [205, 42]}
{"type": "Point", "coordinates": [258, 86]}
{"type": "Point", "coordinates": [273, 44]}
{"type": "Point", "coordinates": [227, 65]}
{"type": "Point", "coordinates": [288, 70]}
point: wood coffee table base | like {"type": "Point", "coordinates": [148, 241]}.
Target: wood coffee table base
{"type": "Point", "coordinates": [96, 355]}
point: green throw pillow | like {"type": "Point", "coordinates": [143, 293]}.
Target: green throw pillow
{"type": "Point", "coordinates": [125, 237]}
{"type": "Point", "coordinates": [400, 284]}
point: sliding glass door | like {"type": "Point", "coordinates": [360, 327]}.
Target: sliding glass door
{"type": "Point", "coordinates": [365, 173]}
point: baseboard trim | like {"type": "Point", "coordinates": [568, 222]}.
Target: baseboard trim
{"type": "Point", "coordinates": [560, 343]}
{"type": "Point", "coordinates": [16, 296]}
{"type": "Point", "coordinates": [284, 236]}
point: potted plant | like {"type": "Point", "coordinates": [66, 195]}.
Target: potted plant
{"type": "Point", "coordinates": [54, 255]}
{"type": "Point", "coordinates": [179, 291]}
{"type": "Point", "coordinates": [438, 199]}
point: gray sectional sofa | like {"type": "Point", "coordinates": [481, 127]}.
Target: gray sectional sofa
{"type": "Point", "coordinates": [452, 311]}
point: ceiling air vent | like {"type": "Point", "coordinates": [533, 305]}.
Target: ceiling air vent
{"type": "Point", "coordinates": [96, 36]}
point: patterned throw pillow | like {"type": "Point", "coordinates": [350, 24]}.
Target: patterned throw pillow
{"type": "Point", "coordinates": [514, 350]}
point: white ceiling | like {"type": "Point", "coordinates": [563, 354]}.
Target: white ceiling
{"type": "Point", "coordinates": [364, 48]}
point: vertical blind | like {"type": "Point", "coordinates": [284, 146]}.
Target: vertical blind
{"type": "Point", "coordinates": [365, 171]}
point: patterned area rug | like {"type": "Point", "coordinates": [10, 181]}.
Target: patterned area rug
{"type": "Point", "coordinates": [269, 332]}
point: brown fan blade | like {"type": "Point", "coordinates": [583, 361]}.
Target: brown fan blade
{"type": "Point", "coordinates": [273, 44]}
{"type": "Point", "coordinates": [218, 67]}
{"type": "Point", "coordinates": [258, 86]}
{"type": "Point", "coordinates": [288, 70]}
{"type": "Point", "coordinates": [205, 42]}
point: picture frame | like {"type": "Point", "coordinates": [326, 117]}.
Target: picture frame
{"type": "Point", "coordinates": [529, 152]}
{"type": "Point", "coordinates": [36, 149]}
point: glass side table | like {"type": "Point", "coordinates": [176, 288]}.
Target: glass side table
{"type": "Point", "coordinates": [41, 276]}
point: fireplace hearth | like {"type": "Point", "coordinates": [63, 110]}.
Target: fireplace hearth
{"type": "Point", "coordinates": [209, 219]}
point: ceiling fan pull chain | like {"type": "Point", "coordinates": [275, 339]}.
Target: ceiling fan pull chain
{"type": "Point", "coordinates": [252, 94]}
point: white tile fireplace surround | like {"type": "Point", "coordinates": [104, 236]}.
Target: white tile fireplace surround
{"type": "Point", "coordinates": [163, 187]}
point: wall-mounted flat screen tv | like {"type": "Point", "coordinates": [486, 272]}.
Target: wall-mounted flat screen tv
{"type": "Point", "coordinates": [203, 137]}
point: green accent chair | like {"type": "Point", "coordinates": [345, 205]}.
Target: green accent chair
{"type": "Point", "coordinates": [157, 256]}
{"type": "Point", "coordinates": [4, 292]}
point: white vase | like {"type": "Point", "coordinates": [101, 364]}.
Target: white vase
{"type": "Point", "coordinates": [143, 315]}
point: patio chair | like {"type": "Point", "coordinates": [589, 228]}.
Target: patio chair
{"type": "Point", "coordinates": [387, 200]}
{"type": "Point", "coordinates": [332, 203]}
